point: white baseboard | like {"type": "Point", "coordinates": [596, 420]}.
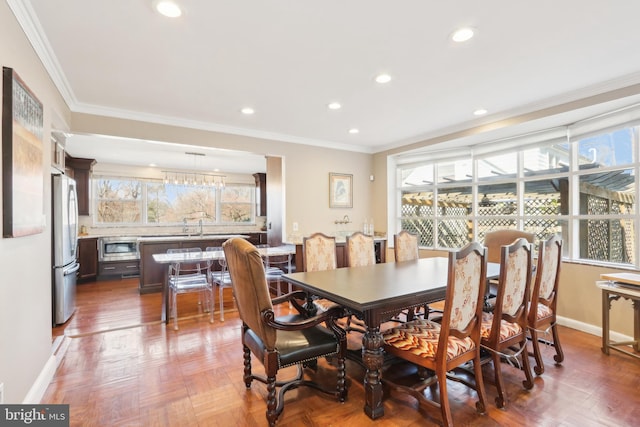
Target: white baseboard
{"type": "Point", "coordinates": [39, 387]}
{"type": "Point", "coordinates": [34, 396]}
{"type": "Point", "coordinates": [591, 329]}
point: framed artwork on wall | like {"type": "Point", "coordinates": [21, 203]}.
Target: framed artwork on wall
{"type": "Point", "coordinates": [340, 190]}
{"type": "Point", "coordinates": [22, 158]}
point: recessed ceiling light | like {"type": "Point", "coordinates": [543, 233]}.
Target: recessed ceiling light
{"type": "Point", "coordinates": [354, 131]}
{"type": "Point", "coordinates": [334, 106]}
{"type": "Point", "coordinates": [152, 165]}
{"type": "Point", "coordinates": [247, 111]}
{"type": "Point", "coordinates": [168, 8]}
{"type": "Point", "coordinates": [383, 78]}
{"type": "Point", "coordinates": [462, 34]}
{"type": "Point", "coordinates": [480, 112]}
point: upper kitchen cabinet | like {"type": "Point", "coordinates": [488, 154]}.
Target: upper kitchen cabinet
{"type": "Point", "coordinates": [261, 192]}
{"type": "Point", "coordinates": [81, 170]}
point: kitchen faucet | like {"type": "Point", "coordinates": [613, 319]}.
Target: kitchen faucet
{"type": "Point", "coordinates": [184, 225]}
{"type": "Point", "coordinates": [200, 225]}
{"type": "Point", "coordinates": [345, 220]}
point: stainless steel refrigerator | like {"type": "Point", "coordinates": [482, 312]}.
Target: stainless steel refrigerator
{"type": "Point", "coordinates": [64, 247]}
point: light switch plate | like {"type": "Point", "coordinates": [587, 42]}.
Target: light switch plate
{"type": "Point", "coordinates": [295, 226]}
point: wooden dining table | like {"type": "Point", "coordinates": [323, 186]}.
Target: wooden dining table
{"type": "Point", "coordinates": [376, 294]}
{"type": "Point", "coordinates": [204, 256]}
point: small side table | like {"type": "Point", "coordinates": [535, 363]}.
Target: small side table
{"type": "Point", "coordinates": [612, 291]}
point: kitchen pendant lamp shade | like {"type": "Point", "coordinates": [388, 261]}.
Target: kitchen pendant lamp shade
{"type": "Point", "coordinates": [187, 178]}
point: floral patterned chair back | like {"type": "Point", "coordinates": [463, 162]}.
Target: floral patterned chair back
{"type": "Point", "coordinates": [544, 297]}
{"type": "Point", "coordinates": [360, 250]}
{"type": "Point", "coordinates": [405, 246]}
{"type": "Point", "coordinates": [441, 347]}
{"type": "Point", "coordinates": [319, 252]}
{"type": "Point", "coordinates": [506, 327]}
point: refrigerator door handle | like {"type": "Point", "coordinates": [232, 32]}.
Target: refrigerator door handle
{"type": "Point", "coordinates": [73, 269]}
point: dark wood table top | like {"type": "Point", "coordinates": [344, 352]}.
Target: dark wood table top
{"type": "Point", "coordinates": [380, 285]}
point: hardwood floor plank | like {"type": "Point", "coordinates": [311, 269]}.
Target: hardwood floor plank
{"type": "Point", "coordinates": [130, 370]}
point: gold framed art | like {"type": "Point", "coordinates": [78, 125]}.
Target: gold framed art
{"type": "Point", "coordinates": [340, 190]}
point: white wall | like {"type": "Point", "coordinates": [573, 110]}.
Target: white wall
{"type": "Point", "coordinates": [25, 288]}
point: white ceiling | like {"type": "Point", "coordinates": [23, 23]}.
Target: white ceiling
{"type": "Point", "coordinates": [288, 59]}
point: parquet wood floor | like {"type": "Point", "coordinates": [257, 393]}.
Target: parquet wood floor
{"type": "Point", "coordinates": [123, 368]}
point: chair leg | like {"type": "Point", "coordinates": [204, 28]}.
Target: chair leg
{"type": "Point", "coordinates": [272, 414]}
{"type": "Point", "coordinates": [175, 310]}
{"type": "Point", "coordinates": [528, 382]}
{"type": "Point", "coordinates": [248, 377]}
{"type": "Point", "coordinates": [447, 419]}
{"type": "Point", "coordinates": [539, 368]}
{"type": "Point", "coordinates": [481, 405]}
{"type": "Point", "coordinates": [559, 357]}
{"type": "Point", "coordinates": [221, 296]}
{"type": "Point", "coordinates": [501, 398]}
{"type": "Point", "coordinates": [212, 303]}
{"type": "Point", "coordinates": [342, 385]}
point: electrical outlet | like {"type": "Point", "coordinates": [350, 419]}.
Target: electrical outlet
{"type": "Point", "coordinates": [1, 393]}
{"type": "Point", "coordinates": [295, 226]}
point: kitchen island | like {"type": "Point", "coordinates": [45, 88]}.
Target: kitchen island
{"type": "Point", "coordinates": [152, 274]}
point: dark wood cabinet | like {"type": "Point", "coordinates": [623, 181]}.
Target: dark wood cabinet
{"type": "Point", "coordinates": [122, 269]}
{"type": "Point", "coordinates": [88, 258]}
{"type": "Point", "coordinates": [82, 174]}
{"type": "Point", "coordinates": [261, 193]}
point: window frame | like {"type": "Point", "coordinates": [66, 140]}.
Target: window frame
{"type": "Point", "coordinates": [568, 223]}
{"type": "Point", "coordinates": [144, 217]}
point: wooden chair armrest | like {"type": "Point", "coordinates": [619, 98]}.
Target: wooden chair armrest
{"type": "Point", "coordinates": [329, 316]}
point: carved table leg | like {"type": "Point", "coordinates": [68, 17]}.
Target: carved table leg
{"type": "Point", "coordinates": [373, 357]}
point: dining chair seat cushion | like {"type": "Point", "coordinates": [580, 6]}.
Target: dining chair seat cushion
{"type": "Point", "coordinates": [323, 304]}
{"type": "Point", "coordinates": [543, 311]}
{"type": "Point", "coordinates": [421, 337]}
{"type": "Point", "coordinates": [507, 329]}
{"type": "Point", "coordinates": [294, 346]}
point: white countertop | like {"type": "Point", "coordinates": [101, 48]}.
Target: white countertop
{"type": "Point", "coordinates": [188, 237]}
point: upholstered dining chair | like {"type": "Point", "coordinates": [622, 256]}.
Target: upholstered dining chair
{"type": "Point", "coordinates": [360, 250]}
{"type": "Point", "coordinates": [405, 248]}
{"type": "Point", "coordinates": [318, 254]}
{"type": "Point", "coordinates": [189, 276]}
{"type": "Point", "coordinates": [544, 297]}
{"type": "Point", "coordinates": [360, 253]}
{"type": "Point", "coordinates": [441, 347]}
{"type": "Point", "coordinates": [494, 240]}
{"type": "Point", "coordinates": [505, 329]}
{"type": "Point", "coordinates": [278, 342]}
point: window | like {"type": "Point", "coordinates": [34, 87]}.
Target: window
{"type": "Point", "coordinates": [577, 181]}
{"type": "Point", "coordinates": [236, 203]}
{"type": "Point", "coordinates": [150, 202]}
{"type": "Point", "coordinates": [118, 201]}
